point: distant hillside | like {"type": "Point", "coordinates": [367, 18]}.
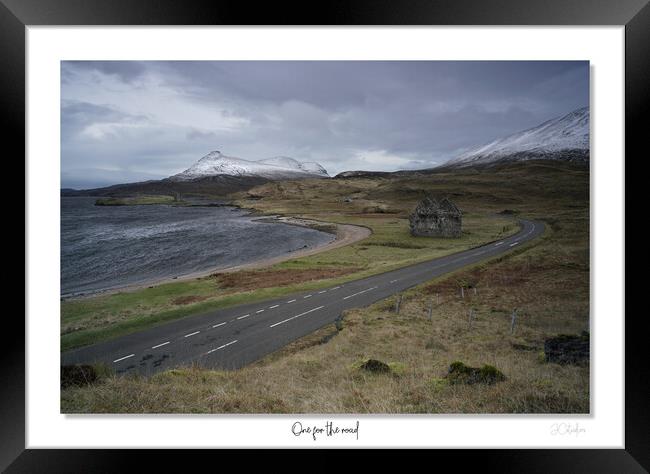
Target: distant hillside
{"type": "Point", "coordinates": [215, 175]}
{"type": "Point", "coordinates": [364, 174]}
{"type": "Point", "coordinates": [220, 185]}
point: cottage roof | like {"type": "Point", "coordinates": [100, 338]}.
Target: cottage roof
{"type": "Point", "coordinates": [430, 206]}
{"type": "Point", "coordinates": [450, 207]}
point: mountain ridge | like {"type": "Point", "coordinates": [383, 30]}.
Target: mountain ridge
{"type": "Point", "coordinates": [279, 167]}
{"type": "Point", "coordinates": [562, 138]}
{"type": "Point", "coordinates": [214, 174]}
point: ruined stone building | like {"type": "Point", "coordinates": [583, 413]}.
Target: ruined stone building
{"type": "Point", "coordinates": [433, 218]}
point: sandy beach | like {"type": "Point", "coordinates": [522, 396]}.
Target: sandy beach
{"type": "Point", "coordinates": [345, 234]}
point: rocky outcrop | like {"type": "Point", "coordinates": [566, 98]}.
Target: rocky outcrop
{"type": "Point", "coordinates": [567, 349]}
{"type": "Point", "coordinates": [432, 218]}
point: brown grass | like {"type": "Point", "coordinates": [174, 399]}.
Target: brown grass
{"type": "Point", "coordinates": [188, 299]}
{"type": "Point", "coordinates": [251, 280]}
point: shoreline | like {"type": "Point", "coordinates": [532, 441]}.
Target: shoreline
{"type": "Point", "coordinates": [345, 234]}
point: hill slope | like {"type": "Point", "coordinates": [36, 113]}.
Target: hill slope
{"type": "Point", "coordinates": [563, 138]}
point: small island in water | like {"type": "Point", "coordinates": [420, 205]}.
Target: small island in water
{"type": "Point", "coordinates": [141, 200]}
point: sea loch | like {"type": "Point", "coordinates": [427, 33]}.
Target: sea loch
{"type": "Point", "coordinates": [109, 247]}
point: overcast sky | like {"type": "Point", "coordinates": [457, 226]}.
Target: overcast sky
{"type": "Point", "coordinates": [124, 121]}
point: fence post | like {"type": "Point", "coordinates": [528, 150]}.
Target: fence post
{"type": "Point", "coordinates": [398, 302]}
{"type": "Point", "coordinates": [339, 322]}
{"type": "Point", "coordinates": [462, 292]}
{"type": "Point", "coordinates": [513, 321]}
{"type": "Point", "coordinates": [430, 308]}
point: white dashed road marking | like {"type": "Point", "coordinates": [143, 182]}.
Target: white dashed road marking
{"type": "Point", "coordinates": [274, 306]}
{"type": "Point", "coordinates": [122, 358]}
{"type": "Point", "coordinates": [308, 296]}
{"type": "Point", "coordinates": [160, 345]}
{"type": "Point", "coordinates": [512, 245]}
{"type": "Point", "coordinates": [217, 325]}
{"type": "Point", "coordinates": [192, 334]}
{"type": "Point", "coordinates": [296, 316]}
{"type": "Point", "coordinates": [221, 347]}
{"type": "Point", "coordinates": [244, 316]}
{"type": "Point", "coordinates": [291, 301]}
{"type": "Point", "coordinates": [260, 311]}
{"type": "Point", "coordinates": [355, 294]}
{"type": "Point", "coordinates": [321, 292]}
{"type": "Point", "coordinates": [498, 243]}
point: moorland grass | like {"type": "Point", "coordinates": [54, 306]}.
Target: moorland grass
{"type": "Point", "coordinates": [546, 280]}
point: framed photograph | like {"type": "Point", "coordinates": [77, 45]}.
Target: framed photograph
{"type": "Point", "coordinates": [381, 227]}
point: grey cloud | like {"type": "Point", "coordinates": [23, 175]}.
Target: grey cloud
{"type": "Point", "coordinates": [127, 71]}
{"type": "Point", "coordinates": [195, 134]}
{"type": "Point", "coordinates": [335, 112]}
{"type": "Point", "coordinates": [78, 114]}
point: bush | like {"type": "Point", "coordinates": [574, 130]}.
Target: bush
{"type": "Point", "coordinates": [459, 373]}
{"type": "Point", "coordinates": [377, 366]}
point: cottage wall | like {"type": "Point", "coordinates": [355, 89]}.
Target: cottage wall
{"type": "Point", "coordinates": [436, 226]}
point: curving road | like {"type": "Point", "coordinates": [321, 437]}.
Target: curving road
{"type": "Point", "coordinates": [233, 337]}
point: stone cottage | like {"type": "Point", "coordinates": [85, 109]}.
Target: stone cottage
{"type": "Point", "coordinates": [433, 218]}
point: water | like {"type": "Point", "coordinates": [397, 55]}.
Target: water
{"type": "Point", "coordinates": [108, 247]}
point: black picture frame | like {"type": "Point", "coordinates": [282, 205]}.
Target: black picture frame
{"type": "Point", "coordinates": [15, 15]}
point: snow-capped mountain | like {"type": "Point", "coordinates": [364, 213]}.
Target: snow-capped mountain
{"type": "Point", "coordinates": [562, 138]}
{"type": "Point", "coordinates": [290, 163]}
{"type": "Point", "coordinates": [280, 167]}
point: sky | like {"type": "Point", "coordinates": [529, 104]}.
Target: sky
{"type": "Point", "coordinates": [126, 121]}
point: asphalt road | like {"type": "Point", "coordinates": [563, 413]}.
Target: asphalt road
{"type": "Point", "coordinates": [233, 337]}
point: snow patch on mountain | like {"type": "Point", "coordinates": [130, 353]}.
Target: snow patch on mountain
{"type": "Point", "coordinates": [280, 167]}
{"type": "Point", "coordinates": [290, 163]}
{"type": "Point", "coordinates": [282, 161]}
{"type": "Point", "coordinates": [562, 138]}
{"type": "Point", "coordinates": [313, 167]}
